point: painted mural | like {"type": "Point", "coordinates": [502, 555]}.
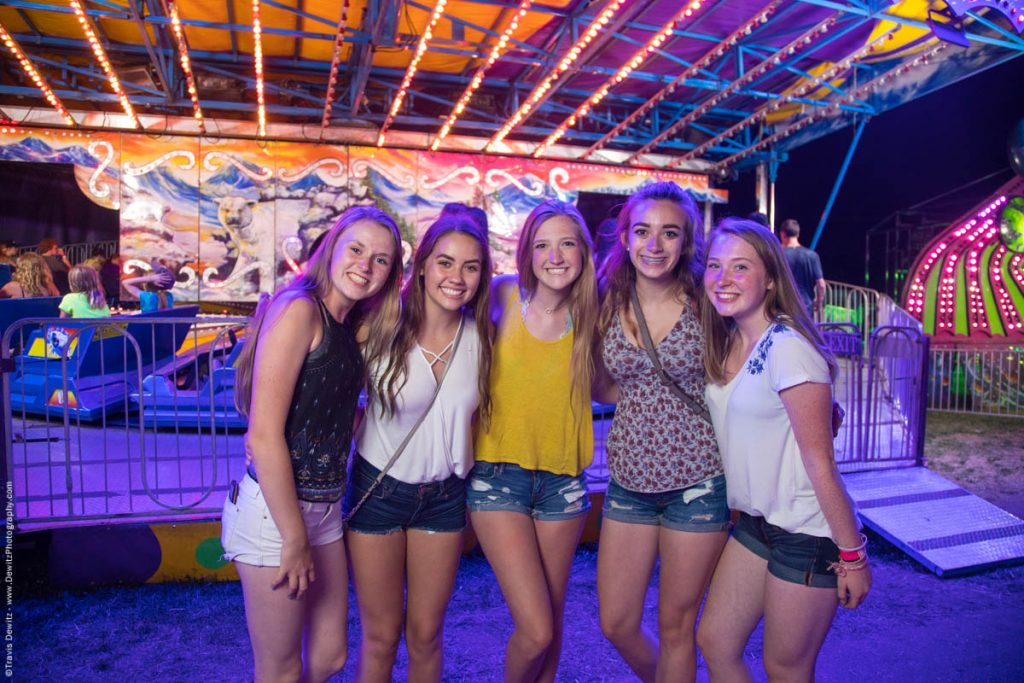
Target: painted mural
{"type": "Point", "coordinates": [235, 218]}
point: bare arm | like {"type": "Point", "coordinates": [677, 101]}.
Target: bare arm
{"type": "Point", "coordinates": [603, 388]}
{"type": "Point", "coordinates": [501, 291]}
{"type": "Point", "coordinates": [289, 331]}
{"type": "Point", "coordinates": [809, 407]}
{"type": "Point", "coordinates": [819, 295]}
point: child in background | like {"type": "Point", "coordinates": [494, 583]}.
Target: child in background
{"type": "Point", "coordinates": [153, 290]}
{"type": "Point", "coordinates": [86, 299]}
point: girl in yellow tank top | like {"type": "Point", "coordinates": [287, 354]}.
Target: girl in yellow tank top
{"type": "Point", "coordinates": [527, 494]}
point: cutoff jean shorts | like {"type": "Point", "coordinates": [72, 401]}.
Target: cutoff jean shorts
{"type": "Point", "coordinates": [796, 558]}
{"type": "Point", "coordinates": [699, 508]}
{"type": "Point", "coordinates": [544, 496]}
{"type": "Point", "coordinates": [249, 535]}
{"type": "Point", "coordinates": [436, 506]}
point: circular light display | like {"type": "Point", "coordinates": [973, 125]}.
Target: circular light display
{"type": "Point", "coordinates": [1011, 225]}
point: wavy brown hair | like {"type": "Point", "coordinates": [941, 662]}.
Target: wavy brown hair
{"type": "Point", "coordinates": [379, 313]}
{"type": "Point", "coordinates": [618, 274]}
{"type": "Point", "coordinates": [32, 273]}
{"type": "Point", "coordinates": [85, 279]}
{"type": "Point", "coordinates": [782, 302]}
{"type": "Point", "coordinates": [583, 305]}
{"type": "Point", "coordinates": [395, 362]}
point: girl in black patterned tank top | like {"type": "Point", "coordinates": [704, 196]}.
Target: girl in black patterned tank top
{"type": "Point", "coordinates": [298, 381]}
{"type": "Point", "coordinates": [666, 497]}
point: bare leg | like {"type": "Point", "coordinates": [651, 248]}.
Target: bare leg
{"type": "Point", "coordinates": [625, 560]}
{"type": "Point", "coordinates": [275, 625]}
{"type": "Point", "coordinates": [378, 571]}
{"type": "Point", "coordinates": [796, 620]}
{"type": "Point", "coordinates": [734, 607]}
{"type": "Point", "coordinates": [510, 543]}
{"type": "Point", "coordinates": [327, 614]}
{"type": "Point", "coordinates": [687, 561]}
{"type": "Point", "coordinates": [432, 563]}
{"type": "Point", "coordinates": [557, 542]}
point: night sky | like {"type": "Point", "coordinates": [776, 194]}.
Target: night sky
{"type": "Point", "coordinates": [936, 143]}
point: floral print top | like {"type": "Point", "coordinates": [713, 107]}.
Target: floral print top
{"type": "Point", "coordinates": [656, 443]}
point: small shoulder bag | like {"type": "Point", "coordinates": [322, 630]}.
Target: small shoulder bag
{"type": "Point", "coordinates": [408, 437]}
{"type": "Point", "coordinates": [666, 379]}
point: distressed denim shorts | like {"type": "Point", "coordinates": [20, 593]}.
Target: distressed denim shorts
{"type": "Point", "coordinates": [395, 505]}
{"type": "Point", "coordinates": [545, 496]}
{"type": "Point", "coordinates": [700, 507]}
{"type": "Point", "coordinates": [248, 532]}
{"type": "Point", "coordinates": [796, 558]}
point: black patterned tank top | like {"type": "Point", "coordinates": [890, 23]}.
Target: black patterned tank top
{"type": "Point", "coordinates": [319, 426]}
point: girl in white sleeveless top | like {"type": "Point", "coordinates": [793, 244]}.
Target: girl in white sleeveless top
{"type": "Point", "coordinates": [405, 538]}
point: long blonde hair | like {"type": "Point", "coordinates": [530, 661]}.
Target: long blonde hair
{"type": "Point", "coordinates": [618, 274]}
{"type": "Point", "coordinates": [379, 313]}
{"type": "Point", "coordinates": [395, 361]}
{"type": "Point", "coordinates": [86, 280]}
{"type": "Point", "coordinates": [782, 302]}
{"type": "Point", "coordinates": [582, 300]}
{"type": "Point", "coordinates": [34, 276]}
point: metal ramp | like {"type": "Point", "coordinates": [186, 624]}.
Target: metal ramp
{"type": "Point", "coordinates": [939, 524]}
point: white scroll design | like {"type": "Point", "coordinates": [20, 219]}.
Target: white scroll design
{"type": "Point", "coordinates": [210, 160]}
{"type": "Point", "coordinates": [556, 179]}
{"type": "Point", "coordinates": [338, 170]}
{"type": "Point", "coordinates": [97, 187]}
{"type": "Point", "coordinates": [472, 178]}
{"type": "Point", "coordinates": [131, 169]}
{"type": "Point", "coordinates": [494, 177]}
{"type": "Point", "coordinates": [360, 168]}
{"type": "Point", "coordinates": [237, 274]}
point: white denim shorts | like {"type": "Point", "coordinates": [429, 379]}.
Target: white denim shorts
{"type": "Point", "coordinates": [249, 535]}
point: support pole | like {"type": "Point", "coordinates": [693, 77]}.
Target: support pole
{"type": "Point", "coordinates": [773, 175]}
{"type": "Point", "coordinates": [761, 188]}
{"type": "Point", "coordinates": [708, 217]}
{"type": "Point", "coordinates": [863, 121]}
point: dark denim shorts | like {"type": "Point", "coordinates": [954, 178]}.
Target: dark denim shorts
{"type": "Point", "coordinates": [700, 507]}
{"type": "Point", "coordinates": [796, 558]}
{"type": "Point", "coordinates": [544, 496]}
{"type": "Point", "coordinates": [395, 505]}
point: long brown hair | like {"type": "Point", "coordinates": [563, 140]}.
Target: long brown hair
{"type": "Point", "coordinates": [32, 273]}
{"type": "Point", "coordinates": [85, 279]}
{"type": "Point", "coordinates": [378, 313]}
{"type": "Point", "coordinates": [782, 302]}
{"type": "Point", "coordinates": [395, 362]}
{"type": "Point", "coordinates": [583, 306]}
{"type": "Point", "coordinates": [618, 274]}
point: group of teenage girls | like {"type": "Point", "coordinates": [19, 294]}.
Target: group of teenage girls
{"type": "Point", "coordinates": [478, 399]}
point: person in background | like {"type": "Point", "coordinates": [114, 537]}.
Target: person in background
{"type": "Point", "coordinates": [31, 278]}
{"type": "Point", "coordinates": [527, 493]}
{"type": "Point", "coordinates": [86, 298]}
{"type": "Point", "coordinates": [761, 218]}
{"type": "Point", "coordinates": [298, 381]}
{"type": "Point", "coordinates": [796, 546]}
{"type": "Point", "coordinates": [8, 255]}
{"type": "Point", "coordinates": [152, 289]}
{"type": "Point", "coordinates": [58, 263]}
{"type": "Point", "coordinates": [806, 268]}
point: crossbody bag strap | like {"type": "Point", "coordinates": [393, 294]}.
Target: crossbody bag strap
{"type": "Point", "coordinates": [409, 435]}
{"type": "Point", "coordinates": [665, 378]}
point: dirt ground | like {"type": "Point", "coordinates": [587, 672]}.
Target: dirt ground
{"type": "Point", "coordinates": [913, 627]}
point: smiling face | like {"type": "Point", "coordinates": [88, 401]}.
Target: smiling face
{"type": "Point", "coordinates": [451, 273]}
{"type": "Point", "coordinates": [557, 255]}
{"type": "Point", "coordinates": [362, 260]}
{"type": "Point", "coordinates": [655, 238]}
{"type": "Point", "coordinates": [736, 280]}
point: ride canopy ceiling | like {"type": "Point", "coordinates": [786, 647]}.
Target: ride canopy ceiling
{"type": "Point", "coordinates": [688, 85]}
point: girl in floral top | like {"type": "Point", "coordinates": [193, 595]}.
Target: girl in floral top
{"type": "Point", "coordinates": [666, 497]}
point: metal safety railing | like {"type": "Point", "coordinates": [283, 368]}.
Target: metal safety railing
{"type": "Point", "coordinates": [865, 308]}
{"type": "Point", "coordinates": [980, 381]}
{"type": "Point", "coordinates": [120, 418]}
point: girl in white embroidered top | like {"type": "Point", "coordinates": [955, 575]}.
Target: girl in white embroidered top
{"type": "Point", "coordinates": [796, 545]}
{"type": "Point", "coordinates": [408, 530]}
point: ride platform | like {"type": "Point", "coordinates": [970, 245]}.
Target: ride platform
{"type": "Point", "coordinates": [944, 527]}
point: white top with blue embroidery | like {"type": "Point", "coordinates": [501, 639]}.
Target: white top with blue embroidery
{"type": "Point", "coordinates": [764, 473]}
{"type": "Point", "coordinates": [443, 444]}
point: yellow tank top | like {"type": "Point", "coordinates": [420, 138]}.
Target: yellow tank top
{"type": "Point", "coordinates": [533, 423]}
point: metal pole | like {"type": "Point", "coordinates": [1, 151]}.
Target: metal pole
{"type": "Point", "coordinates": [839, 181]}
